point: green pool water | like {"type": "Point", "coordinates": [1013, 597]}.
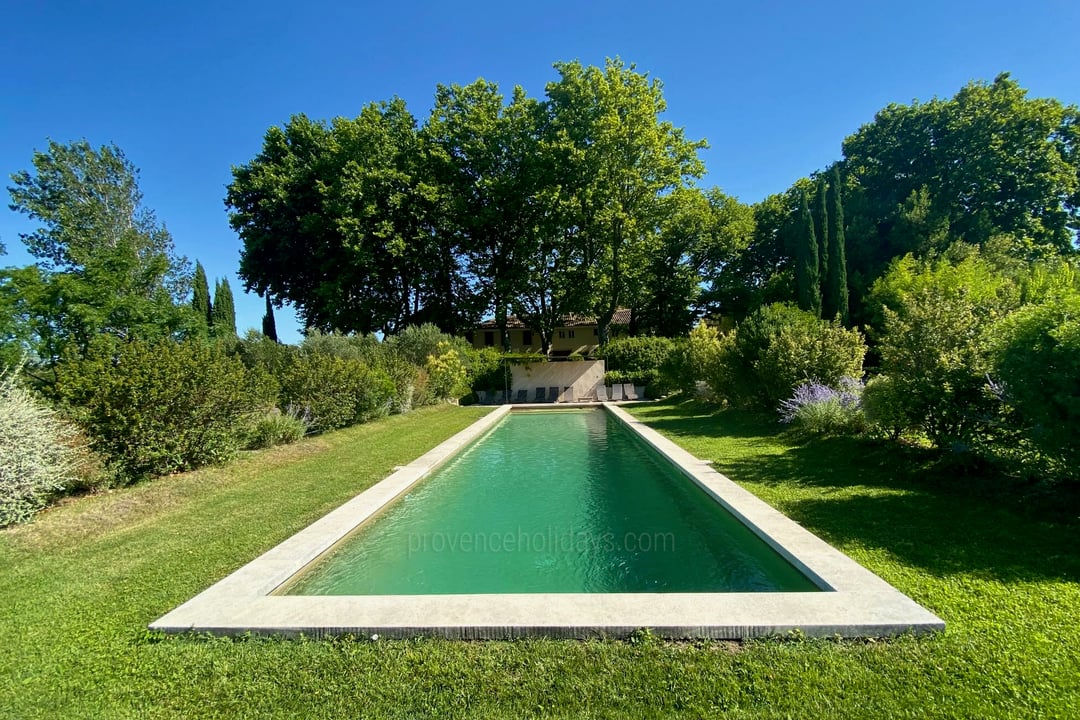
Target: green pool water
{"type": "Point", "coordinates": [553, 502]}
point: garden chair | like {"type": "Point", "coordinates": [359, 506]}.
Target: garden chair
{"type": "Point", "coordinates": [616, 392]}
{"type": "Point", "coordinates": [629, 392]}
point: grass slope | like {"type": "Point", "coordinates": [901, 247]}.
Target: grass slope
{"type": "Point", "coordinates": [79, 585]}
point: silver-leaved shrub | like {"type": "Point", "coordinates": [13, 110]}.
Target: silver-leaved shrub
{"type": "Point", "coordinates": [37, 455]}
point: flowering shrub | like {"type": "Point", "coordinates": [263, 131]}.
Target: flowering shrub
{"type": "Point", "coordinates": [820, 409]}
{"type": "Point", "coordinates": [448, 378]}
{"type": "Point", "coordinates": [36, 454]}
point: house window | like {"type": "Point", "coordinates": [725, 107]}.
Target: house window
{"type": "Point", "coordinates": [469, 337]}
{"type": "Point", "coordinates": [526, 338]}
{"type": "Point", "coordinates": [570, 332]}
{"type": "Point", "coordinates": [562, 334]}
{"type": "Point", "coordinates": [489, 339]}
{"type": "Point", "coordinates": [596, 332]}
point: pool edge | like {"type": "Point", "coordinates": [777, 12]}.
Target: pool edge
{"type": "Point", "coordinates": [856, 603]}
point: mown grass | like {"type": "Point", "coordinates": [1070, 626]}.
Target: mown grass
{"type": "Point", "coordinates": [79, 585]}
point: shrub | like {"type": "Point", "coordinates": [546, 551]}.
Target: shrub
{"type": "Point", "coordinates": [1036, 356]}
{"type": "Point", "coordinates": [488, 369]}
{"type": "Point", "coordinates": [776, 348]}
{"type": "Point", "coordinates": [336, 391]}
{"type": "Point", "coordinates": [409, 391]}
{"type": "Point", "coordinates": [822, 410]}
{"type": "Point", "coordinates": [279, 428]}
{"type": "Point", "coordinates": [934, 354]}
{"type": "Point", "coordinates": [692, 358]}
{"type": "Point", "coordinates": [37, 458]}
{"type": "Point", "coordinates": [883, 405]}
{"type": "Point", "coordinates": [633, 354]}
{"type": "Point", "coordinates": [255, 350]}
{"type": "Point", "coordinates": [152, 409]}
{"type": "Point", "coordinates": [447, 375]}
{"type": "Point", "coordinates": [417, 343]}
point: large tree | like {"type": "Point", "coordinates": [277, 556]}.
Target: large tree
{"type": "Point", "coordinates": [104, 263]}
{"type": "Point", "coordinates": [339, 221]}
{"type": "Point", "coordinates": [482, 155]}
{"type": "Point", "coordinates": [625, 158]}
{"type": "Point", "coordinates": [987, 161]}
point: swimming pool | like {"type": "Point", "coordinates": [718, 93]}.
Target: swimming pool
{"type": "Point", "coordinates": [553, 502]}
{"type": "Point", "coordinates": [851, 600]}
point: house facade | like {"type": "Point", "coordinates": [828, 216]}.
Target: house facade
{"type": "Point", "coordinates": [575, 334]}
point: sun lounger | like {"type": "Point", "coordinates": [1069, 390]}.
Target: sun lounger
{"type": "Point", "coordinates": [616, 392]}
{"type": "Point", "coordinates": [553, 394]}
{"type": "Point", "coordinates": [629, 392]}
{"type": "Point", "coordinates": [499, 397]}
{"type": "Point", "coordinates": [601, 393]}
{"type": "Point", "coordinates": [541, 395]}
{"type": "Point", "coordinates": [522, 396]}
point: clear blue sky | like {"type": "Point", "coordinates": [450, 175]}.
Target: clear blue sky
{"type": "Point", "coordinates": [188, 89]}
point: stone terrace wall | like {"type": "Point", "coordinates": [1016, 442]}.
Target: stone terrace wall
{"type": "Point", "coordinates": [581, 377]}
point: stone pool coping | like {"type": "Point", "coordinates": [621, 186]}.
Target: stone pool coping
{"type": "Point", "coordinates": [854, 602]}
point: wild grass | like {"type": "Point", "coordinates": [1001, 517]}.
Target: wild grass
{"type": "Point", "coordinates": [80, 583]}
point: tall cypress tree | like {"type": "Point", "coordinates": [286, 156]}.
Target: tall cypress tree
{"type": "Point", "coordinates": [269, 327]}
{"type": "Point", "coordinates": [807, 276]}
{"type": "Point", "coordinates": [822, 229]}
{"type": "Point", "coordinates": [836, 284]}
{"type": "Point", "coordinates": [200, 300]}
{"type": "Point", "coordinates": [224, 312]}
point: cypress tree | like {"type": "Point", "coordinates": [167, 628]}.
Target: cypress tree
{"type": "Point", "coordinates": [807, 277]}
{"type": "Point", "coordinates": [836, 283]}
{"type": "Point", "coordinates": [200, 300]}
{"type": "Point", "coordinates": [269, 327]}
{"type": "Point", "coordinates": [224, 312]}
{"type": "Point", "coordinates": [822, 229]}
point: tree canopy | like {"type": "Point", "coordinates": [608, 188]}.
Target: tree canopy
{"type": "Point", "coordinates": [104, 263]}
{"type": "Point", "coordinates": [536, 207]}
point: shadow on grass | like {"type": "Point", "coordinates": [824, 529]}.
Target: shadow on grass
{"type": "Point", "coordinates": [923, 513]}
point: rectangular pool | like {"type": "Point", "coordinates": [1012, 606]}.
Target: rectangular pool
{"type": "Point", "coordinates": [553, 502]}
{"type": "Point", "coordinates": [784, 579]}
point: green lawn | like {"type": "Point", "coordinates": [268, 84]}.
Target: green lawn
{"type": "Point", "coordinates": [79, 585]}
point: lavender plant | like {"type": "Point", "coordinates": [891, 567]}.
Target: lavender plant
{"type": "Point", "coordinates": [818, 408]}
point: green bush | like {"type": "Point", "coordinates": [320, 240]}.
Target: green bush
{"type": "Point", "coordinates": [934, 352]}
{"type": "Point", "coordinates": [488, 369]}
{"type": "Point", "coordinates": [336, 391]}
{"type": "Point", "coordinates": [417, 343]}
{"type": "Point", "coordinates": [1036, 357]}
{"type": "Point", "coordinates": [278, 428]}
{"type": "Point", "coordinates": [447, 375]}
{"type": "Point", "coordinates": [37, 457]}
{"type": "Point", "coordinates": [775, 349]}
{"type": "Point", "coordinates": [884, 406]}
{"type": "Point", "coordinates": [692, 358]}
{"type": "Point", "coordinates": [258, 351]}
{"type": "Point", "coordinates": [163, 407]}
{"type": "Point", "coordinates": [633, 354]}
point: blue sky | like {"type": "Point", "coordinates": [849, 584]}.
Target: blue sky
{"type": "Point", "coordinates": [188, 89]}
